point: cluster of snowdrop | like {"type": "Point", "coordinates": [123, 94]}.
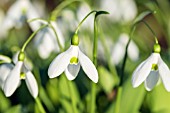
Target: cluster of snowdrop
{"type": "Point", "coordinates": [150, 70]}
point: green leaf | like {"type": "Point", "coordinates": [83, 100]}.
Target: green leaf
{"type": "Point", "coordinates": [14, 109]}
{"type": "Point", "coordinates": [131, 99]}
{"type": "Point", "coordinates": [158, 100]}
{"type": "Point", "coordinates": [106, 79]}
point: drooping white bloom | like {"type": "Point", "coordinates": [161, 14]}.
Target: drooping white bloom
{"type": "Point", "coordinates": [14, 77]}
{"type": "Point", "coordinates": [149, 71]}
{"type": "Point", "coordinates": [4, 71]}
{"type": "Point", "coordinates": [120, 10]}
{"type": "Point", "coordinates": [46, 40]}
{"type": "Point", "coordinates": [119, 49]}
{"type": "Point", "coordinates": [17, 15]}
{"type": "Point", "coordinates": [70, 61]}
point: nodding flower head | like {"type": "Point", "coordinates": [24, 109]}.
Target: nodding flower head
{"type": "Point", "coordinates": [70, 61]}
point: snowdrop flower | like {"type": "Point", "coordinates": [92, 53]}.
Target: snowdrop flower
{"type": "Point", "coordinates": [46, 41]}
{"type": "Point", "coordinates": [150, 70]}
{"type": "Point", "coordinates": [70, 61]}
{"type": "Point", "coordinates": [17, 14]}
{"type": "Point", "coordinates": [119, 50]}
{"type": "Point", "coordinates": [120, 10]}
{"type": "Point", "coordinates": [15, 76]}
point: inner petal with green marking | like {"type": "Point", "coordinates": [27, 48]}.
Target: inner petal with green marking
{"type": "Point", "coordinates": [74, 60]}
{"type": "Point", "coordinates": [154, 67]}
{"type": "Point", "coordinates": [22, 75]}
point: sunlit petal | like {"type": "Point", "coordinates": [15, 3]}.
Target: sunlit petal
{"type": "Point", "coordinates": [143, 70]}
{"type": "Point", "coordinates": [88, 67]}
{"type": "Point", "coordinates": [60, 63]}
{"type": "Point", "coordinates": [151, 80]}
{"type": "Point", "coordinates": [4, 70]}
{"type": "Point", "coordinates": [164, 74]}
{"type": "Point", "coordinates": [13, 80]}
{"type": "Point", "coordinates": [31, 84]}
{"type": "Point", "coordinates": [72, 71]}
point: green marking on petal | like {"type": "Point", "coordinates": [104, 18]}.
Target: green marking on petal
{"type": "Point", "coordinates": [22, 75]}
{"type": "Point", "coordinates": [154, 67]}
{"type": "Point", "coordinates": [74, 60]}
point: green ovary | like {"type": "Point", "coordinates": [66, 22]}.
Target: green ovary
{"type": "Point", "coordinates": [74, 60]}
{"type": "Point", "coordinates": [22, 75]}
{"type": "Point", "coordinates": [154, 67]}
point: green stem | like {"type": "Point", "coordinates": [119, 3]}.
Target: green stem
{"type": "Point", "coordinates": [73, 102]}
{"type": "Point", "coordinates": [93, 91]}
{"type": "Point", "coordinates": [59, 8]}
{"type": "Point", "coordinates": [156, 40]}
{"type": "Point", "coordinates": [40, 106]}
{"type": "Point", "coordinates": [84, 20]}
{"type": "Point", "coordinates": [118, 100]}
{"type": "Point", "coordinates": [58, 41]}
{"type": "Point", "coordinates": [31, 37]}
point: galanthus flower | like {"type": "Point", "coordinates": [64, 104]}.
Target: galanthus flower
{"type": "Point", "coordinates": [46, 41]}
{"type": "Point", "coordinates": [119, 49]}
{"type": "Point", "coordinates": [17, 15]}
{"type": "Point", "coordinates": [150, 70]}
{"type": "Point", "coordinates": [15, 76]}
{"type": "Point", "coordinates": [70, 61]}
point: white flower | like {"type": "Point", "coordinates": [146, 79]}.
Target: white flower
{"type": "Point", "coordinates": [46, 40]}
{"type": "Point", "coordinates": [14, 77]}
{"type": "Point", "coordinates": [17, 14]}
{"type": "Point", "coordinates": [4, 70]}
{"type": "Point", "coordinates": [119, 49]}
{"type": "Point", "coordinates": [70, 61]}
{"type": "Point", "coordinates": [120, 10]}
{"type": "Point", "coordinates": [150, 71]}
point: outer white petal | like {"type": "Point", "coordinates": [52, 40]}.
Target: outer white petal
{"type": "Point", "coordinates": [4, 71]}
{"type": "Point", "coordinates": [72, 71]}
{"type": "Point", "coordinates": [13, 80]}
{"type": "Point", "coordinates": [88, 67]}
{"type": "Point", "coordinates": [151, 80]}
{"type": "Point", "coordinates": [60, 63]}
{"type": "Point", "coordinates": [31, 84]}
{"type": "Point", "coordinates": [143, 70]}
{"type": "Point", "coordinates": [164, 74]}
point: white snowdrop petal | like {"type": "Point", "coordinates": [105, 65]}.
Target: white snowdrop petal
{"type": "Point", "coordinates": [13, 79]}
{"type": "Point", "coordinates": [164, 74]}
{"type": "Point", "coordinates": [60, 63]}
{"type": "Point", "coordinates": [72, 71]}
{"type": "Point", "coordinates": [4, 70]}
{"type": "Point", "coordinates": [151, 80]}
{"type": "Point", "coordinates": [88, 67]}
{"type": "Point", "coordinates": [31, 84]}
{"type": "Point", "coordinates": [142, 71]}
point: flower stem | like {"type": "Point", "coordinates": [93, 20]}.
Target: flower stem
{"type": "Point", "coordinates": [58, 41]}
{"type": "Point", "coordinates": [31, 37]}
{"type": "Point", "coordinates": [93, 90]}
{"type": "Point", "coordinates": [59, 8]}
{"type": "Point", "coordinates": [156, 40]}
{"type": "Point", "coordinates": [40, 106]}
{"type": "Point", "coordinates": [73, 102]}
{"type": "Point", "coordinates": [84, 20]}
